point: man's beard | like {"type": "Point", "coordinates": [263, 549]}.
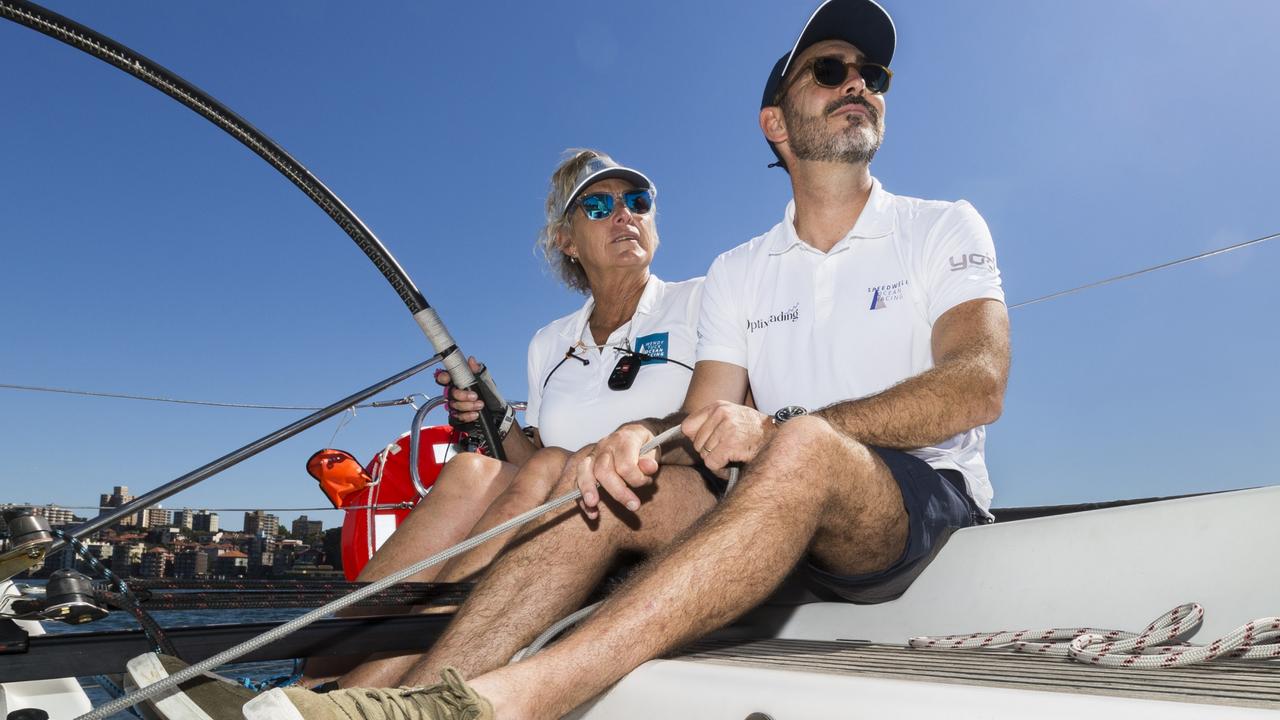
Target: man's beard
{"type": "Point", "coordinates": [809, 138]}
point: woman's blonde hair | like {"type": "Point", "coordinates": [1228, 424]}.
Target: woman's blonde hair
{"type": "Point", "coordinates": [569, 271]}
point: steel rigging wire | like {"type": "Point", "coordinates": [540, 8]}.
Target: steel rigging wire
{"type": "Point", "coordinates": [405, 401]}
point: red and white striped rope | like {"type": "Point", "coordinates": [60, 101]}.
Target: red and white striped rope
{"type": "Point", "coordinates": [1162, 644]}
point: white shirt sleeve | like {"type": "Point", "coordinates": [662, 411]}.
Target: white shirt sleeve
{"type": "Point", "coordinates": [693, 308]}
{"type": "Point", "coordinates": [535, 384]}
{"type": "Point", "coordinates": [722, 324]}
{"type": "Point", "coordinates": [959, 261]}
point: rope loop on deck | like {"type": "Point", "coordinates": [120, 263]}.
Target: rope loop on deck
{"type": "Point", "coordinates": [1163, 644]}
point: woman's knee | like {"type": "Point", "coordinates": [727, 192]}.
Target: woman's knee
{"type": "Point", "coordinates": [468, 472]}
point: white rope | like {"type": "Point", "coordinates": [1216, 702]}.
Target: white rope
{"type": "Point", "coordinates": [574, 618]}
{"type": "Point", "coordinates": [1163, 644]}
{"type": "Point", "coordinates": [276, 633]}
{"type": "Point", "coordinates": [554, 631]}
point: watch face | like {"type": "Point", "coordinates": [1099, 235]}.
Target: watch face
{"type": "Point", "coordinates": [789, 412]}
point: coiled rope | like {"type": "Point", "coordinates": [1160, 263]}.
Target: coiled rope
{"type": "Point", "coordinates": [276, 633]}
{"type": "Point", "coordinates": [1163, 644]}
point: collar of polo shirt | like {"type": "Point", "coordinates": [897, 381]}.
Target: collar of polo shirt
{"type": "Point", "coordinates": [651, 296]}
{"type": "Point", "coordinates": [875, 221]}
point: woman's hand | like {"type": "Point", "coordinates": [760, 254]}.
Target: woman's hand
{"type": "Point", "coordinates": [464, 405]}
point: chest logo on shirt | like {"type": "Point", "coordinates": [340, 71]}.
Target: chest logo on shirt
{"type": "Point", "coordinates": [655, 346]}
{"type": "Point", "coordinates": [791, 314]}
{"type": "Point", "coordinates": [882, 295]}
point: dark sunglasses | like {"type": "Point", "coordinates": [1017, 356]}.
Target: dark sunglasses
{"type": "Point", "coordinates": [628, 367]}
{"type": "Point", "coordinates": [832, 71]}
{"type": "Point", "coordinates": [600, 205]}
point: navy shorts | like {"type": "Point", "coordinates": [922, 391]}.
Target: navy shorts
{"type": "Point", "coordinates": [936, 503]}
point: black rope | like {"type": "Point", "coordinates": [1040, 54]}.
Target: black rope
{"type": "Point", "coordinates": [211, 595]}
{"type": "Point", "coordinates": [160, 642]}
{"type": "Point", "coordinates": [250, 584]}
{"type": "Point", "coordinates": [92, 561]}
{"type": "Point", "coordinates": [123, 598]}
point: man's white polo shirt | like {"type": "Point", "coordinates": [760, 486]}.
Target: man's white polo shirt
{"type": "Point", "coordinates": [570, 402]}
{"type": "Point", "coordinates": [814, 329]}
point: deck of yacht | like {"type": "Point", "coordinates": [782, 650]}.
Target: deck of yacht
{"type": "Point", "coordinates": [779, 679]}
{"type": "Point", "coordinates": [1234, 683]}
{"type": "Point", "coordinates": [1110, 568]}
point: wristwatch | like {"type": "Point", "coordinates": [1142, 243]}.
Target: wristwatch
{"type": "Point", "coordinates": [788, 412]}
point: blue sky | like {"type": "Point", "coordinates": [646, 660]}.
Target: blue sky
{"type": "Point", "coordinates": [144, 251]}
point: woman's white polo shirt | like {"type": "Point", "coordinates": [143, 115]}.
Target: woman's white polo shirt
{"type": "Point", "coordinates": [570, 402]}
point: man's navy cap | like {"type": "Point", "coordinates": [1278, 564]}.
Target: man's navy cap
{"type": "Point", "coordinates": [862, 23]}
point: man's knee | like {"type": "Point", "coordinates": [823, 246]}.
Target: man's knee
{"type": "Point", "coordinates": [547, 462]}
{"type": "Point", "coordinates": [540, 474]}
{"type": "Point", "coordinates": [808, 448]}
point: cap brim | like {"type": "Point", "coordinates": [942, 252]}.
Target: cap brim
{"type": "Point", "coordinates": [635, 177]}
{"type": "Point", "coordinates": [861, 23]}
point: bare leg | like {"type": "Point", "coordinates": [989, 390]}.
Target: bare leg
{"type": "Point", "coordinates": [529, 488]}
{"type": "Point", "coordinates": [466, 486]}
{"type": "Point", "coordinates": [548, 576]}
{"type": "Point", "coordinates": [809, 483]}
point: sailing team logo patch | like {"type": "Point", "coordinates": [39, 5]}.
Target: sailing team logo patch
{"type": "Point", "coordinates": [882, 295]}
{"type": "Point", "coordinates": [654, 346]}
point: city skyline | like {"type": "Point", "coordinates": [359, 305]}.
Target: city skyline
{"type": "Point", "coordinates": [65, 514]}
{"type": "Point", "coordinates": [189, 543]}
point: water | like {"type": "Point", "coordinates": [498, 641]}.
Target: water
{"type": "Point", "coordinates": [255, 671]}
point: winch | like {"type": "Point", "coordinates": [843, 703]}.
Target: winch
{"type": "Point", "coordinates": [69, 597]}
{"type": "Point", "coordinates": [28, 542]}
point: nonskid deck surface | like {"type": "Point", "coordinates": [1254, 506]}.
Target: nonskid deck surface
{"type": "Point", "coordinates": [1254, 684]}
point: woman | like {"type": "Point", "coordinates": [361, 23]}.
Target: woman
{"type": "Point", "coordinates": [627, 353]}
{"type": "Point", "coordinates": [600, 239]}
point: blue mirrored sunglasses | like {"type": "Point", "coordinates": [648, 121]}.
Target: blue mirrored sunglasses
{"type": "Point", "coordinates": [600, 205]}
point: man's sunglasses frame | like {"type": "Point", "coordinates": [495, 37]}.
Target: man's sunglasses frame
{"type": "Point", "coordinates": [831, 71]}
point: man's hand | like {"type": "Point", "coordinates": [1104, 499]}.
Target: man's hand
{"type": "Point", "coordinates": [725, 432]}
{"type": "Point", "coordinates": [614, 466]}
{"type": "Point", "coordinates": [464, 405]}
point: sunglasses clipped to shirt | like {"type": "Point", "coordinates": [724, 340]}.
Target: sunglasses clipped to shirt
{"type": "Point", "coordinates": [600, 205]}
{"type": "Point", "coordinates": [831, 71]}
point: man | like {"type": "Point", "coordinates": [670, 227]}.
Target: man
{"type": "Point", "coordinates": [864, 325]}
